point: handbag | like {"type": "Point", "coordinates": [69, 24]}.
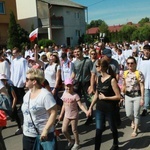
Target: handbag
{"type": "Point", "coordinates": [3, 118]}
{"type": "Point", "coordinates": [76, 84]}
{"type": "Point", "coordinates": [48, 144]}
{"type": "Point", "coordinates": [5, 104]}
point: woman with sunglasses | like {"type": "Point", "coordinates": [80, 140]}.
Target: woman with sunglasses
{"type": "Point", "coordinates": [133, 88]}
{"type": "Point", "coordinates": [93, 55]}
{"type": "Point", "coordinates": [39, 111]}
{"type": "Point", "coordinates": [105, 98]}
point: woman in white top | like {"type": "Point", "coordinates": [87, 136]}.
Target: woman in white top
{"type": "Point", "coordinates": [39, 104]}
{"type": "Point", "coordinates": [52, 72]}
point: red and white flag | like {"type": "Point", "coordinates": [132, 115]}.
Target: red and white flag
{"type": "Point", "coordinates": [33, 35]}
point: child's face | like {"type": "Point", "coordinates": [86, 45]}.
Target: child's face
{"type": "Point", "coordinates": [69, 88]}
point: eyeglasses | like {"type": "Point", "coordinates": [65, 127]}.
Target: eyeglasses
{"type": "Point", "coordinates": [130, 63]}
{"type": "Point", "coordinates": [97, 66]}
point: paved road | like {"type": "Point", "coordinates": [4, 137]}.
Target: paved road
{"type": "Point", "coordinates": [126, 142]}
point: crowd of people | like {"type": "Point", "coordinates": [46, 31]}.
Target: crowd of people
{"type": "Point", "coordinates": [105, 74]}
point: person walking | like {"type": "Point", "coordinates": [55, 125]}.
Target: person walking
{"type": "Point", "coordinates": [70, 111]}
{"type": "Point", "coordinates": [133, 88]}
{"type": "Point", "coordinates": [39, 111]}
{"type": "Point", "coordinates": [81, 75]}
{"type": "Point", "coordinates": [144, 67]}
{"type": "Point", "coordinates": [107, 92]}
{"type": "Point", "coordinates": [18, 69]}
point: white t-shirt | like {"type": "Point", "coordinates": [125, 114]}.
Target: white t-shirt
{"type": "Point", "coordinates": [50, 74]}
{"type": "Point", "coordinates": [5, 68]}
{"type": "Point", "coordinates": [38, 109]}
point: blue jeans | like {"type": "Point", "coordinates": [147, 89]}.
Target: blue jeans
{"type": "Point", "coordinates": [147, 98]}
{"type": "Point", "coordinates": [100, 118]}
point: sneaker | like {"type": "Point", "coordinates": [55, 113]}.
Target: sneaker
{"type": "Point", "coordinates": [75, 147]}
{"type": "Point", "coordinates": [18, 131]}
{"type": "Point", "coordinates": [144, 113]}
{"type": "Point", "coordinates": [114, 147]}
{"type": "Point", "coordinates": [69, 146]}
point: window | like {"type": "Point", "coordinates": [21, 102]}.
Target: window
{"type": "Point", "coordinates": [78, 33]}
{"type": "Point", "coordinates": [2, 10]}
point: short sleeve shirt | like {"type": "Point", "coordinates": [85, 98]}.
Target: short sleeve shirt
{"type": "Point", "coordinates": [38, 108]}
{"type": "Point", "coordinates": [86, 71]}
{"type": "Point", "coordinates": [131, 81]}
{"type": "Point", "coordinates": [50, 74]}
{"type": "Point", "coordinates": [70, 103]}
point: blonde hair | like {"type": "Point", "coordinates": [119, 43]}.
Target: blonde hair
{"type": "Point", "coordinates": [36, 74]}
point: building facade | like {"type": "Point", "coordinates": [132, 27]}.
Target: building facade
{"type": "Point", "coordinates": [6, 6]}
{"type": "Point", "coordinates": [61, 21]}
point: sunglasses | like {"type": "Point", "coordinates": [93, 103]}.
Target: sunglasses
{"type": "Point", "coordinates": [93, 54]}
{"type": "Point", "coordinates": [130, 63]}
{"type": "Point", "coordinates": [97, 66]}
{"type": "Point", "coordinates": [27, 79]}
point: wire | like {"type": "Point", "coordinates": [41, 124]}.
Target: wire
{"type": "Point", "coordinates": [95, 3]}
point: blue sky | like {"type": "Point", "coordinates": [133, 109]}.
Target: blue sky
{"type": "Point", "coordinates": [115, 12]}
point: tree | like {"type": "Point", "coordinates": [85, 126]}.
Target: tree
{"type": "Point", "coordinates": [143, 21]}
{"type": "Point", "coordinates": [127, 31]}
{"type": "Point", "coordinates": [13, 35]}
{"type": "Point", "coordinates": [95, 23]}
{"type": "Point", "coordinates": [17, 36]}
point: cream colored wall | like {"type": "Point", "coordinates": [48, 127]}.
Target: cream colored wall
{"type": "Point", "coordinates": [26, 9]}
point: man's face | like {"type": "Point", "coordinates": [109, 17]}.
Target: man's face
{"type": "Point", "coordinates": [77, 53]}
{"type": "Point", "coordinates": [146, 53]}
{"type": "Point", "coordinates": [15, 53]}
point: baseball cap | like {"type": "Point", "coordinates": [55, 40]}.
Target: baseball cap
{"type": "Point", "coordinates": [8, 51]}
{"type": "Point", "coordinates": [68, 81]}
{"type": "Point", "coordinates": [107, 52]}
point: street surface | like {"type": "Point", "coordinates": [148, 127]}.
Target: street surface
{"type": "Point", "coordinates": [87, 133]}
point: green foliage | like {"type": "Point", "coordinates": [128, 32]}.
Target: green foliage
{"type": "Point", "coordinates": [95, 23]}
{"type": "Point", "coordinates": [143, 21]}
{"type": "Point", "coordinates": [127, 31]}
{"type": "Point", "coordinates": [13, 35]}
{"type": "Point", "coordinates": [45, 42]}
{"type": "Point", "coordinates": [17, 36]}
{"type": "Point", "coordinates": [144, 32]}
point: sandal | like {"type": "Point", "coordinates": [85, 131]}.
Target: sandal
{"type": "Point", "coordinates": [134, 134]}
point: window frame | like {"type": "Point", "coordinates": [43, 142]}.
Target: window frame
{"type": "Point", "coordinates": [3, 7]}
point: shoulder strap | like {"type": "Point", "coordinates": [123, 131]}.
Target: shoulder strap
{"type": "Point", "coordinates": [56, 67]}
{"type": "Point", "coordinates": [125, 73]}
{"type": "Point", "coordinates": [81, 69]}
{"type": "Point", "coordinates": [36, 129]}
{"type": "Point", "coordinates": [137, 74]}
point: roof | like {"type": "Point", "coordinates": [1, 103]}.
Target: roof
{"type": "Point", "coordinates": [67, 3]}
{"type": "Point", "coordinates": [93, 30]}
{"type": "Point", "coordinates": [114, 28]}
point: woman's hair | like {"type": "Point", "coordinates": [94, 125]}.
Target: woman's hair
{"type": "Point", "coordinates": [36, 74]}
{"type": "Point", "coordinates": [131, 57]}
{"type": "Point", "coordinates": [57, 58]}
{"type": "Point", "coordinates": [105, 67]}
{"type": "Point", "coordinates": [92, 50]}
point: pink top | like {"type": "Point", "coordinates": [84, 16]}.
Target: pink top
{"type": "Point", "coordinates": [70, 104]}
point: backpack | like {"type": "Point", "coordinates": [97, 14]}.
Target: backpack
{"type": "Point", "coordinates": [137, 74]}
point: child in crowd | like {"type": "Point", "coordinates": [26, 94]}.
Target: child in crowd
{"type": "Point", "coordinates": [70, 111]}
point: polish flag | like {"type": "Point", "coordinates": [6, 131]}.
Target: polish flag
{"type": "Point", "coordinates": [33, 35]}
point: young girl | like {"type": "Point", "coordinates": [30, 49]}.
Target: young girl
{"type": "Point", "coordinates": [71, 101]}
